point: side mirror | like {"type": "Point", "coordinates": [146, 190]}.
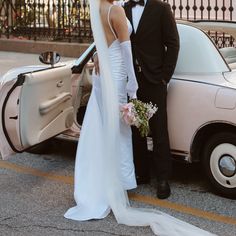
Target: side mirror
{"type": "Point", "coordinates": [50, 58]}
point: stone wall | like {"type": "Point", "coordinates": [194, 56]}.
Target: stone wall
{"type": "Point", "coordinates": [30, 46]}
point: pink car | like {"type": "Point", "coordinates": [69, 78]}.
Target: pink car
{"type": "Point", "coordinates": [41, 102]}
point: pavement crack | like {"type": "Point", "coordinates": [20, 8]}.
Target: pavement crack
{"type": "Point", "coordinates": [9, 217]}
{"type": "Point", "coordinates": [63, 229]}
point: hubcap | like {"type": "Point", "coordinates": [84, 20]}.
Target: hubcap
{"type": "Point", "coordinates": [223, 166]}
{"type": "Point", "coordinates": [227, 165]}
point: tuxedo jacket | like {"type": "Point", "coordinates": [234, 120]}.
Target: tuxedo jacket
{"type": "Point", "coordinates": [155, 44]}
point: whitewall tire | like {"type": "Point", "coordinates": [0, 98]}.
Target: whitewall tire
{"type": "Point", "coordinates": [219, 160]}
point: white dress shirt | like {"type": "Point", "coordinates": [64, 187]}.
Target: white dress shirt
{"type": "Point", "coordinates": [119, 3]}
{"type": "Point", "coordinates": [137, 12]}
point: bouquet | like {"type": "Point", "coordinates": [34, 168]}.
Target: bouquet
{"type": "Point", "coordinates": [138, 113]}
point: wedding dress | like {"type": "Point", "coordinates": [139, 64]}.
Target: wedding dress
{"type": "Point", "coordinates": [104, 168]}
{"type": "Point", "coordinates": [89, 172]}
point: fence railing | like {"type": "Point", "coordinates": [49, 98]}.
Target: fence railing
{"type": "Point", "coordinates": [204, 9]}
{"type": "Point", "coordinates": [68, 20]}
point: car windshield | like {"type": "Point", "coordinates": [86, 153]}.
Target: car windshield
{"type": "Point", "coordinates": [85, 57]}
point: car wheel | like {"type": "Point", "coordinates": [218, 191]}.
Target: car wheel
{"type": "Point", "coordinates": [219, 160]}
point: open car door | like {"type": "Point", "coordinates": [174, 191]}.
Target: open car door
{"type": "Point", "coordinates": [35, 107]}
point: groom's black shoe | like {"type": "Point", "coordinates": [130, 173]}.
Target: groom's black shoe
{"type": "Point", "coordinates": [163, 189]}
{"type": "Point", "coordinates": [142, 180]}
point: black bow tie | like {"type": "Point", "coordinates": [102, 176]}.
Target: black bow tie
{"type": "Point", "coordinates": [136, 2]}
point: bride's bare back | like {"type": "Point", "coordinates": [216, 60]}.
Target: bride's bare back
{"type": "Point", "coordinates": [118, 22]}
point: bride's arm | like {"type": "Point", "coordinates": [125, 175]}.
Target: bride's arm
{"type": "Point", "coordinates": [119, 23]}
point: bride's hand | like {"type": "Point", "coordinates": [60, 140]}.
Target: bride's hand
{"type": "Point", "coordinates": [131, 88]}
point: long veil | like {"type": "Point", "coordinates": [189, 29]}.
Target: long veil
{"type": "Point", "coordinates": [161, 223]}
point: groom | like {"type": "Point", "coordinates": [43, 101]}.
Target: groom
{"type": "Point", "coordinates": [155, 46]}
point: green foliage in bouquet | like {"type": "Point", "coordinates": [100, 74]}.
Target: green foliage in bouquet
{"type": "Point", "coordinates": [143, 112]}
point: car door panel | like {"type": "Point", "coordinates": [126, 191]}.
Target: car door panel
{"type": "Point", "coordinates": [38, 106]}
{"type": "Point", "coordinates": [11, 115]}
{"type": "Point", "coordinates": [46, 107]}
{"type": "Point", "coordinates": [12, 124]}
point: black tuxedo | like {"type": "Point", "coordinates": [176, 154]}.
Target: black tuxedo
{"type": "Point", "coordinates": [155, 47]}
{"type": "Point", "coordinates": [156, 32]}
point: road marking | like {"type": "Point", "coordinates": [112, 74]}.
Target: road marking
{"type": "Point", "coordinates": [36, 172]}
{"type": "Point", "coordinates": [133, 196]}
{"type": "Point", "coordinates": [183, 209]}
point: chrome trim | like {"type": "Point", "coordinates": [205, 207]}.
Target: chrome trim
{"type": "Point", "coordinates": [186, 155]}
{"type": "Point", "coordinates": [201, 82]}
{"type": "Point", "coordinates": [227, 165]}
{"type": "Point", "coordinates": [182, 153]}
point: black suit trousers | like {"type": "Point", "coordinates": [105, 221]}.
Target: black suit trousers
{"type": "Point", "coordinates": [157, 94]}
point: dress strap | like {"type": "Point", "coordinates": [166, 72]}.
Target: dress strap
{"type": "Point", "coordinates": [109, 23]}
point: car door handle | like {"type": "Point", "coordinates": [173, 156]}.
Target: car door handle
{"type": "Point", "coordinates": [60, 83]}
{"type": "Point", "coordinates": [49, 105]}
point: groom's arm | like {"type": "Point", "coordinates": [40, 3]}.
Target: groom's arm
{"type": "Point", "coordinates": [171, 42]}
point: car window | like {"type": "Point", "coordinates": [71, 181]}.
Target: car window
{"type": "Point", "coordinates": [198, 54]}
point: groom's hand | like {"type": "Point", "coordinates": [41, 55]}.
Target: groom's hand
{"type": "Point", "coordinates": [96, 64]}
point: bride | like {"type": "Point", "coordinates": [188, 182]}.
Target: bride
{"type": "Point", "coordinates": [104, 167]}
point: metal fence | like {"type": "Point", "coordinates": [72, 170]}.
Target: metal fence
{"type": "Point", "coordinates": [60, 20]}
{"type": "Point", "coordinates": [207, 10]}
{"type": "Point", "coordinates": [204, 9]}
{"type": "Point", "coordinates": [68, 20]}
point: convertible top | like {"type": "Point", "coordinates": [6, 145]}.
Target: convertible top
{"type": "Point", "coordinates": [228, 27]}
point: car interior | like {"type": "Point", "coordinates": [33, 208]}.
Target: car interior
{"type": "Point", "coordinates": [229, 54]}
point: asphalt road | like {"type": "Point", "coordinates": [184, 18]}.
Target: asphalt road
{"type": "Point", "coordinates": [36, 190]}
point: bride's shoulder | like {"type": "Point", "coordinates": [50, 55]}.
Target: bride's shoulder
{"type": "Point", "coordinates": [117, 11]}
{"type": "Point", "coordinates": [116, 7]}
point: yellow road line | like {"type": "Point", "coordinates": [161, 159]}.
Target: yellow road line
{"type": "Point", "coordinates": [136, 197]}
{"type": "Point", "coordinates": [35, 172]}
{"type": "Point", "coordinates": [183, 209]}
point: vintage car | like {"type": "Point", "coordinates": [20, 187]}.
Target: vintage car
{"type": "Point", "coordinates": [41, 102]}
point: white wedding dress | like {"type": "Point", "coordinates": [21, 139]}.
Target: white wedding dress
{"type": "Point", "coordinates": [104, 168]}
{"type": "Point", "coordinates": [89, 174]}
